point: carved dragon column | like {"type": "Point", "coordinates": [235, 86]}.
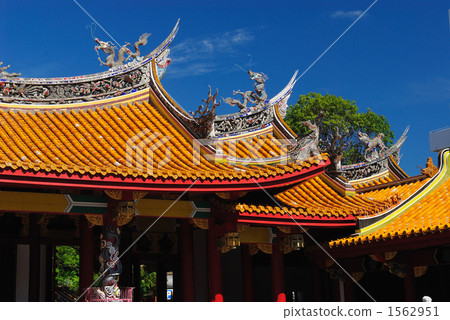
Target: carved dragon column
{"type": "Point", "coordinates": [109, 255]}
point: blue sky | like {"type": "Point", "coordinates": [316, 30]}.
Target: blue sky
{"type": "Point", "coordinates": [395, 60]}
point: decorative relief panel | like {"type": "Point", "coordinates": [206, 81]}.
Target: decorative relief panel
{"type": "Point", "coordinates": [60, 91]}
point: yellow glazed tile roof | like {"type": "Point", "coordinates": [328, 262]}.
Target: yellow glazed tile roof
{"type": "Point", "coordinates": [315, 198]}
{"type": "Point", "coordinates": [319, 197]}
{"type": "Point", "coordinates": [373, 182]}
{"type": "Point", "coordinates": [401, 191]}
{"type": "Point", "coordinates": [430, 215]}
{"type": "Point", "coordinates": [128, 140]}
{"type": "Point", "coordinates": [262, 146]}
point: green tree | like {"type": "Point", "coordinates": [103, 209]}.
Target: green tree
{"type": "Point", "coordinates": [339, 125]}
{"type": "Point", "coordinates": [148, 281]}
{"type": "Point", "coordinates": [67, 267]}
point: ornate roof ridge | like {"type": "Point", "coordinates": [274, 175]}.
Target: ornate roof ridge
{"type": "Point", "coordinates": [117, 81]}
{"type": "Point", "coordinates": [253, 119]}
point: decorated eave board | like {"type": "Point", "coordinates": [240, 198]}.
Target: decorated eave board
{"type": "Point", "coordinates": [120, 130]}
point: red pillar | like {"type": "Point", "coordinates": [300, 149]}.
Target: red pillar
{"type": "Point", "coordinates": [317, 283]}
{"type": "Point", "coordinates": [214, 265]}
{"type": "Point", "coordinates": [410, 286]}
{"type": "Point", "coordinates": [86, 255]}
{"type": "Point", "coordinates": [161, 281]}
{"type": "Point", "coordinates": [187, 261]}
{"type": "Point", "coordinates": [348, 289]}
{"type": "Point", "coordinates": [336, 293]}
{"type": "Point", "coordinates": [35, 260]}
{"type": "Point", "coordinates": [277, 266]}
{"type": "Point", "coordinates": [247, 273]}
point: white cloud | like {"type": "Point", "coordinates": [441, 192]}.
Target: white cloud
{"type": "Point", "coordinates": [193, 69]}
{"type": "Point", "coordinates": [197, 56]}
{"type": "Point", "coordinates": [346, 14]}
{"type": "Point", "coordinates": [435, 89]}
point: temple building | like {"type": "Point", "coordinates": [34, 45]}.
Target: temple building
{"type": "Point", "coordinates": [232, 207]}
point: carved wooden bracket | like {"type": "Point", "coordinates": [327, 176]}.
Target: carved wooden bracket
{"type": "Point", "coordinates": [76, 220]}
{"type": "Point", "coordinates": [253, 249]}
{"type": "Point", "coordinates": [43, 221]}
{"type": "Point", "coordinates": [25, 219]}
{"type": "Point", "coordinates": [94, 220]}
{"type": "Point", "coordinates": [137, 195]}
{"type": "Point", "coordinates": [201, 223]}
{"type": "Point", "coordinates": [420, 271]}
{"type": "Point", "coordinates": [357, 276]}
{"type": "Point", "coordinates": [284, 229]}
{"type": "Point", "coordinates": [240, 227]}
{"type": "Point", "coordinates": [386, 256]}
{"type": "Point", "coordinates": [265, 247]}
{"type": "Point", "coordinates": [126, 211]}
{"type": "Point", "coordinates": [114, 194]}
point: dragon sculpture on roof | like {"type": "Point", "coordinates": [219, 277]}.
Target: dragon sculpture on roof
{"type": "Point", "coordinates": [108, 48]}
{"type": "Point", "coordinates": [5, 74]}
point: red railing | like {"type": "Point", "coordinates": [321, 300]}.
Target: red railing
{"type": "Point", "coordinates": [126, 295]}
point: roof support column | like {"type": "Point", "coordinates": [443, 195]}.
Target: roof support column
{"type": "Point", "coordinates": [247, 273]}
{"type": "Point", "coordinates": [317, 274]}
{"type": "Point", "coordinates": [277, 267]}
{"type": "Point", "coordinates": [187, 261]}
{"type": "Point", "coordinates": [86, 255]}
{"type": "Point", "coordinates": [161, 281]}
{"type": "Point", "coordinates": [109, 255]}
{"type": "Point", "coordinates": [410, 285]}
{"type": "Point", "coordinates": [214, 264]}
{"type": "Point", "coordinates": [348, 289]}
{"type": "Point", "coordinates": [35, 260]}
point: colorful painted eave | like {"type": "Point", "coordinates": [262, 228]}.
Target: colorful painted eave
{"type": "Point", "coordinates": [205, 183]}
{"type": "Point", "coordinates": [268, 215]}
{"type": "Point", "coordinates": [316, 201]}
{"type": "Point", "coordinates": [424, 217]}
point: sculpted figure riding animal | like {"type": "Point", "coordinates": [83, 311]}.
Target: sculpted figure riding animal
{"type": "Point", "coordinates": [257, 97]}
{"type": "Point", "coordinates": [260, 79]}
{"type": "Point", "coordinates": [371, 145]}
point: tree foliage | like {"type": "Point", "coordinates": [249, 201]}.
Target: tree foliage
{"type": "Point", "coordinates": [67, 267]}
{"type": "Point", "coordinates": [148, 281]}
{"type": "Point", "coordinates": [339, 126]}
